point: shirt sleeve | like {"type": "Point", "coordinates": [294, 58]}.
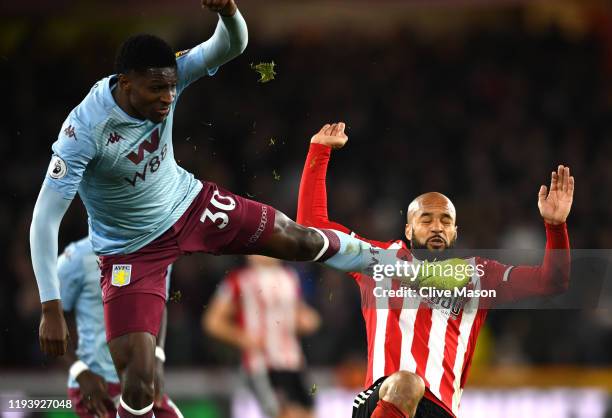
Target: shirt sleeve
{"type": "Point", "coordinates": [70, 273]}
{"type": "Point", "coordinates": [49, 210]}
{"type": "Point", "coordinates": [312, 197]}
{"type": "Point", "coordinates": [229, 40]}
{"type": "Point", "coordinates": [514, 283]}
{"type": "Point", "coordinates": [72, 152]}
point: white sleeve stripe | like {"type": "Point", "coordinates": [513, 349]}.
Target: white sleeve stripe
{"type": "Point", "coordinates": [507, 274]}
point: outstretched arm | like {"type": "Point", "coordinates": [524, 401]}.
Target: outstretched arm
{"type": "Point", "coordinates": [312, 199]}
{"type": "Point", "coordinates": [231, 36]}
{"type": "Point", "coordinates": [552, 276]}
{"type": "Point", "coordinates": [229, 40]}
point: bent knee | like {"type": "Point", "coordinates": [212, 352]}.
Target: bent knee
{"type": "Point", "coordinates": [404, 389]}
{"type": "Point", "coordinates": [138, 388]}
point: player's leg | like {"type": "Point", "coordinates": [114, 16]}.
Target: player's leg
{"type": "Point", "coordinates": [167, 409]}
{"type": "Point", "coordinates": [297, 398]}
{"type": "Point", "coordinates": [221, 222]}
{"type": "Point", "coordinates": [294, 242]}
{"type": "Point", "coordinates": [260, 385]}
{"type": "Point", "coordinates": [132, 323]}
{"type": "Point", "coordinates": [365, 402]}
{"type": "Point", "coordinates": [430, 409]}
{"type": "Point", "coordinates": [134, 294]}
{"type": "Point", "coordinates": [291, 241]}
{"type": "Point", "coordinates": [134, 358]}
{"type": "Point", "coordinates": [399, 395]}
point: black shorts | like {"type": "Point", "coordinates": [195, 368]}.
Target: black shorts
{"type": "Point", "coordinates": [280, 387]}
{"type": "Point", "coordinates": [365, 403]}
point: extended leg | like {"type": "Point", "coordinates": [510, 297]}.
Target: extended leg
{"type": "Point", "coordinates": [293, 242]}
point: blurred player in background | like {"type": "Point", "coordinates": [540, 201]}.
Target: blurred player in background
{"type": "Point", "coordinates": [93, 384]}
{"type": "Point", "coordinates": [418, 359]}
{"type": "Point", "coordinates": [145, 211]}
{"type": "Point", "coordinates": [260, 310]}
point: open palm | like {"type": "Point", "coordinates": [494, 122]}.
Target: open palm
{"type": "Point", "coordinates": [331, 135]}
{"type": "Point", "coordinates": [555, 204]}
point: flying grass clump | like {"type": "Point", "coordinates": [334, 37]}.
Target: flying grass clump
{"type": "Point", "coordinates": [265, 70]}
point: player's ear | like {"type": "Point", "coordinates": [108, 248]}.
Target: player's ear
{"type": "Point", "coordinates": [408, 232]}
{"type": "Point", "coordinates": [123, 81]}
{"type": "Point", "coordinates": [456, 228]}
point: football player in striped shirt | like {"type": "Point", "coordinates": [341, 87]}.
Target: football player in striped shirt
{"type": "Point", "coordinates": [260, 310]}
{"type": "Point", "coordinates": [419, 359]}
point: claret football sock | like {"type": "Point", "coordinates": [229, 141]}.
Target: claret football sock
{"type": "Point", "coordinates": [343, 252]}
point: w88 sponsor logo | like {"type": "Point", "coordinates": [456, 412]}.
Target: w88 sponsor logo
{"type": "Point", "coordinates": [151, 166]}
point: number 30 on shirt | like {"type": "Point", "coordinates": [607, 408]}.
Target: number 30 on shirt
{"type": "Point", "coordinates": [217, 200]}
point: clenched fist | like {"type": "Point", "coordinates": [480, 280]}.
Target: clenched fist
{"type": "Point", "coordinates": [223, 7]}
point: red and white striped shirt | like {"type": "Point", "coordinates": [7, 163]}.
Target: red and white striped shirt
{"type": "Point", "coordinates": [437, 344]}
{"type": "Point", "coordinates": [268, 299]}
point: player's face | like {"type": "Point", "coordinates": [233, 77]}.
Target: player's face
{"type": "Point", "coordinates": [152, 93]}
{"type": "Point", "coordinates": [432, 227]}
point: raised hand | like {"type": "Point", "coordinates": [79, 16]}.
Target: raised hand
{"type": "Point", "coordinates": [331, 135]}
{"type": "Point", "coordinates": [223, 7]}
{"type": "Point", "coordinates": [555, 204]}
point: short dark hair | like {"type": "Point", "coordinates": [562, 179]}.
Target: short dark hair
{"type": "Point", "coordinates": [141, 52]}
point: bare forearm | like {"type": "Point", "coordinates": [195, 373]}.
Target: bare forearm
{"type": "Point", "coordinates": [70, 357]}
{"type": "Point", "coordinates": [228, 334]}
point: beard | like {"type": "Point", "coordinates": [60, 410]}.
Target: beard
{"type": "Point", "coordinates": [417, 245]}
{"type": "Point", "coordinates": [422, 252]}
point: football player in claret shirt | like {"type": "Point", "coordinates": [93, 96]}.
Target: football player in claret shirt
{"type": "Point", "coordinates": [144, 210]}
{"type": "Point", "coordinates": [418, 359]}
